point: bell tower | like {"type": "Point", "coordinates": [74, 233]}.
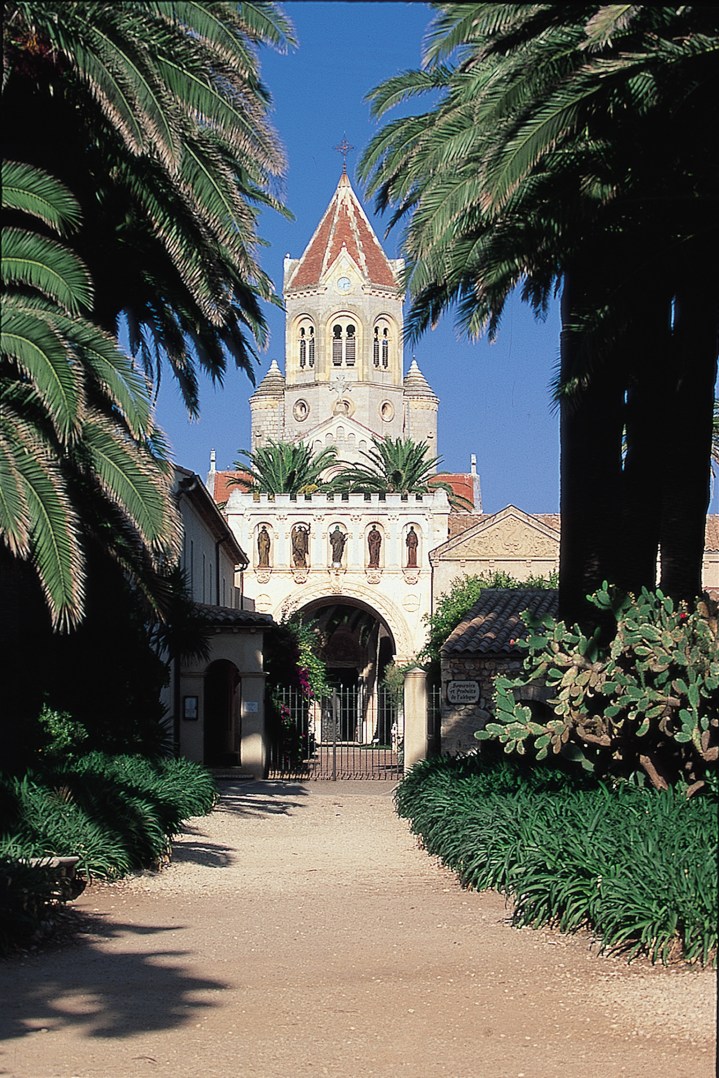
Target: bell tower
{"type": "Point", "coordinates": [343, 381]}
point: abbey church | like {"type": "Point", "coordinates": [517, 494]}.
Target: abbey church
{"type": "Point", "coordinates": [364, 557]}
{"type": "Point", "coordinates": [367, 568]}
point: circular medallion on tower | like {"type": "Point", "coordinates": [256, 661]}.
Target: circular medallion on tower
{"type": "Point", "coordinates": [344, 284]}
{"type": "Point", "coordinates": [343, 406]}
{"type": "Point", "coordinates": [300, 410]}
{"type": "Point", "coordinates": [386, 411]}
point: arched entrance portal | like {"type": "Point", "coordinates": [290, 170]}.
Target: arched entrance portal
{"type": "Point", "coordinates": [356, 730]}
{"type": "Point", "coordinates": [222, 682]}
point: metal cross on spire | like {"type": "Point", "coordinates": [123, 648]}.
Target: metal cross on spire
{"type": "Point", "coordinates": [344, 148]}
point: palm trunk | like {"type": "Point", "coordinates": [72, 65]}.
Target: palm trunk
{"type": "Point", "coordinates": [688, 474]}
{"type": "Point", "coordinates": [645, 355]}
{"type": "Point", "coordinates": [590, 465]}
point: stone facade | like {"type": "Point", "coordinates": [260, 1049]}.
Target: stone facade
{"type": "Point", "coordinates": [399, 593]}
{"type": "Point", "coordinates": [483, 645]}
{"type": "Point", "coordinates": [510, 541]}
{"type": "Point", "coordinates": [216, 704]}
{"type": "Point", "coordinates": [343, 380]}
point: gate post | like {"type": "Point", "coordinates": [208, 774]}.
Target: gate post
{"type": "Point", "coordinates": [415, 717]}
{"type": "Point", "coordinates": [254, 754]}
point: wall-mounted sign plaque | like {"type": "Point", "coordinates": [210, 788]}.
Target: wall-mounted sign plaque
{"type": "Point", "coordinates": [463, 692]}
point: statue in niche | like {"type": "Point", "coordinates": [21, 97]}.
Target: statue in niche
{"type": "Point", "coordinates": [337, 542]}
{"type": "Point", "coordinates": [374, 545]}
{"type": "Point", "coordinates": [263, 548]}
{"type": "Point", "coordinates": [411, 542]}
{"type": "Point", "coordinates": [300, 546]}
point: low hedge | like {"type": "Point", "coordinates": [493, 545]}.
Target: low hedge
{"type": "Point", "coordinates": [116, 813]}
{"type": "Point", "coordinates": [634, 865]}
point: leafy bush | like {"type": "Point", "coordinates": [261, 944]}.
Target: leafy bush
{"type": "Point", "coordinates": [634, 865]}
{"type": "Point", "coordinates": [62, 737]}
{"type": "Point", "coordinates": [648, 700]}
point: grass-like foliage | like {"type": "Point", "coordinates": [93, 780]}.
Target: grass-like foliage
{"type": "Point", "coordinates": [634, 865]}
{"type": "Point", "coordinates": [116, 813]}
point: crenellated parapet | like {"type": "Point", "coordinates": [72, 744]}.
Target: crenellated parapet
{"type": "Point", "coordinates": [372, 549]}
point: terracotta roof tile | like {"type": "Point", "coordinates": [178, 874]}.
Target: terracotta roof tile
{"type": "Point", "coordinates": [461, 522]}
{"type": "Point", "coordinates": [219, 616]}
{"type": "Point", "coordinates": [494, 623]}
{"type": "Point", "coordinates": [463, 485]}
{"type": "Point", "coordinates": [712, 533]}
{"type": "Point", "coordinates": [344, 225]}
{"type": "Point", "coordinates": [224, 486]}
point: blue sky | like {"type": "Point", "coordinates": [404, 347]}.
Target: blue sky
{"type": "Point", "coordinates": [494, 399]}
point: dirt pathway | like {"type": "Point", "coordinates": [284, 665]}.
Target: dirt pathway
{"type": "Point", "coordinates": [300, 931]}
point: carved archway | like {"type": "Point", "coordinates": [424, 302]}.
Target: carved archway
{"type": "Point", "coordinates": [318, 595]}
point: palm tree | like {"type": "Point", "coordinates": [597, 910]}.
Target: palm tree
{"type": "Point", "coordinates": [286, 468]}
{"type": "Point", "coordinates": [398, 466]}
{"type": "Point", "coordinates": [155, 117]}
{"type": "Point", "coordinates": [79, 453]}
{"type": "Point", "coordinates": [565, 148]}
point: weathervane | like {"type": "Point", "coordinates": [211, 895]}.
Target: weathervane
{"type": "Point", "coordinates": [344, 148]}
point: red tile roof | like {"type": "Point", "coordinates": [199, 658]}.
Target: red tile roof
{"type": "Point", "coordinates": [224, 485]}
{"type": "Point", "coordinates": [343, 225]}
{"type": "Point", "coordinates": [461, 522]}
{"type": "Point", "coordinates": [463, 485]}
{"type": "Point", "coordinates": [711, 541]}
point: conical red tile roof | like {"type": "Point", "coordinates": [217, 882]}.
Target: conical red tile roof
{"type": "Point", "coordinates": [343, 225]}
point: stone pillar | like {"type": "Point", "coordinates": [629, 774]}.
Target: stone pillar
{"type": "Point", "coordinates": [192, 730]}
{"type": "Point", "coordinates": [254, 742]}
{"type": "Point", "coordinates": [415, 717]}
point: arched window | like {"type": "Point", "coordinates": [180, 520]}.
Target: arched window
{"type": "Point", "coordinates": [344, 344]}
{"type": "Point", "coordinates": [382, 344]}
{"type": "Point", "coordinates": [305, 355]}
{"type": "Point", "coordinates": [350, 346]}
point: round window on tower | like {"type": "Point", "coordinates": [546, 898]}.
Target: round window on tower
{"type": "Point", "coordinates": [386, 411]}
{"type": "Point", "coordinates": [300, 410]}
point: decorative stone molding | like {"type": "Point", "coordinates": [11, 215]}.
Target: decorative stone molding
{"type": "Point", "coordinates": [411, 576]}
{"type": "Point", "coordinates": [262, 575]}
{"type": "Point", "coordinates": [373, 575]}
{"type": "Point", "coordinates": [300, 575]}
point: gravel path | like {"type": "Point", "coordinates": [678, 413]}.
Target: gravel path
{"type": "Point", "coordinates": [298, 931]}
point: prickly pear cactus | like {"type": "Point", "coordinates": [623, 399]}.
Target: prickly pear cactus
{"type": "Point", "coordinates": [649, 700]}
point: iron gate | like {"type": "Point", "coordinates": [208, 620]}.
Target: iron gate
{"type": "Point", "coordinates": [350, 734]}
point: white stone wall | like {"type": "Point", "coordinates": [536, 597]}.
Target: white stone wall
{"type": "Point", "coordinates": [400, 595]}
{"type": "Point", "coordinates": [199, 559]}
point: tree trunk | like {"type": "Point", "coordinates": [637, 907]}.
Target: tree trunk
{"type": "Point", "coordinates": [591, 414]}
{"type": "Point", "coordinates": [644, 354]}
{"type": "Point", "coordinates": [686, 488]}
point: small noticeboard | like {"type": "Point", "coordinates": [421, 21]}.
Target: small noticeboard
{"type": "Point", "coordinates": [463, 692]}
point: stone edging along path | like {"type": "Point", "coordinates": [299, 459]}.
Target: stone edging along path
{"type": "Point", "coordinates": [300, 930]}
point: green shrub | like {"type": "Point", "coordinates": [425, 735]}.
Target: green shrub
{"type": "Point", "coordinates": [634, 865]}
{"type": "Point", "coordinates": [116, 813]}
{"type": "Point", "coordinates": [647, 701]}
{"type": "Point", "coordinates": [62, 737]}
